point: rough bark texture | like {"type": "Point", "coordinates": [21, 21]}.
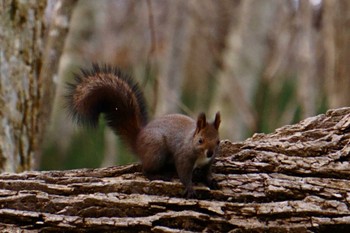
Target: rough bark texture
{"type": "Point", "coordinates": [295, 179]}
{"type": "Point", "coordinates": [21, 31]}
{"type": "Point", "coordinates": [26, 77]}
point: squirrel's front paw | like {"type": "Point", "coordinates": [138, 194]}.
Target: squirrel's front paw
{"type": "Point", "coordinates": [190, 193]}
{"type": "Point", "coordinates": [213, 184]}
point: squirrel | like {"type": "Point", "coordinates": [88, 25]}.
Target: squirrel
{"type": "Point", "coordinates": [173, 142]}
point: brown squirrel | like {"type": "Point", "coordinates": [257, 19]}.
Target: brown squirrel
{"type": "Point", "coordinates": [168, 143]}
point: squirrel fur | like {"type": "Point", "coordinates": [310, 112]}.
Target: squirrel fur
{"type": "Point", "coordinates": [173, 142]}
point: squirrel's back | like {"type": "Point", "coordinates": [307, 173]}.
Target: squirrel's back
{"type": "Point", "coordinates": [172, 124]}
{"type": "Point", "coordinates": [107, 90]}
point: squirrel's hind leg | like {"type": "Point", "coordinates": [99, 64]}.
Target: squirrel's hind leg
{"type": "Point", "coordinates": [157, 162]}
{"type": "Point", "coordinates": [158, 168]}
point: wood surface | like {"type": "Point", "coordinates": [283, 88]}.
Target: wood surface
{"type": "Point", "coordinates": [293, 180]}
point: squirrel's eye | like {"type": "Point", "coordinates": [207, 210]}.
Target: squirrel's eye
{"type": "Point", "coordinates": [218, 142]}
{"type": "Point", "coordinates": [200, 141]}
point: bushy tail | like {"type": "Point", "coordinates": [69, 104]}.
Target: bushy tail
{"type": "Point", "coordinates": [107, 90]}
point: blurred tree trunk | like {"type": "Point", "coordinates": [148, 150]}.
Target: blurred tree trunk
{"type": "Point", "coordinates": [242, 61]}
{"type": "Point", "coordinates": [230, 94]}
{"type": "Point", "coordinates": [26, 83]}
{"type": "Point", "coordinates": [279, 40]}
{"type": "Point", "coordinates": [306, 91]}
{"type": "Point", "coordinates": [59, 22]}
{"type": "Point", "coordinates": [172, 67]}
{"type": "Point", "coordinates": [336, 32]}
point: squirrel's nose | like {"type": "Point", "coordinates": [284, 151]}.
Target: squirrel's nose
{"type": "Point", "coordinates": [210, 153]}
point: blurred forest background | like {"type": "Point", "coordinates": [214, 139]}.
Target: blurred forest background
{"type": "Point", "coordinates": [262, 63]}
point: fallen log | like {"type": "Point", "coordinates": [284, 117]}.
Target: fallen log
{"type": "Point", "coordinates": [295, 179]}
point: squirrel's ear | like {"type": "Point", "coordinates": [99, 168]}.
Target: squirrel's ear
{"type": "Point", "coordinates": [201, 122]}
{"type": "Point", "coordinates": [217, 121]}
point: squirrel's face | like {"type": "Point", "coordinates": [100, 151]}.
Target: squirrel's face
{"type": "Point", "coordinates": [206, 139]}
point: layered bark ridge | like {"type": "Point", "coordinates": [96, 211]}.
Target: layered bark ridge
{"type": "Point", "coordinates": [295, 179]}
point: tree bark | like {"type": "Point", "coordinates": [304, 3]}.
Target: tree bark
{"type": "Point", "coordinates": [27, 85]}
{"type": "Point", "coordinates": [22, 31]}
{"type": "Point", "coordinates": [295, 179]}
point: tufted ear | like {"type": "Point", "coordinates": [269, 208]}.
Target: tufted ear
{"type": "Point", "coordinates": [201, 122]}
{"type": "Point", "coordinates": [217, 121]}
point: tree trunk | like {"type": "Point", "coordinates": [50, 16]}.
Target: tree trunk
{"type": "Point", "coordinates": [172, 68]}
{"type": "Point", "coordinates": [306, 91]}
{"type": "Point", "coordinates": [26, 83]}
{"type": "Point", "coordinates": [22, 31]}
{"type": "Point", "coordinates": [336, 39]}
{"type": "Point", "coordinates": [295, 179]}
{"type": "Point", "coordinates": [55, 41]}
